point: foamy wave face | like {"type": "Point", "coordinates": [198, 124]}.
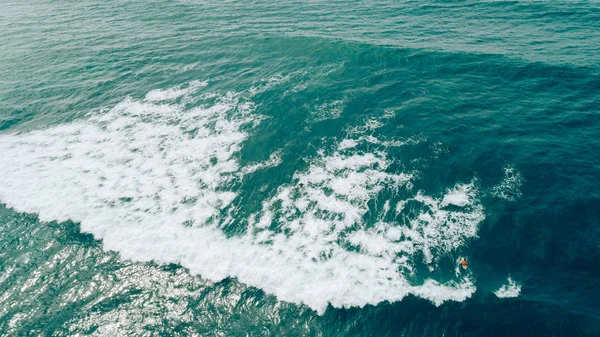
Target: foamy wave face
{"type": "Point", "coordinates": [316, 232]}
{"type": "Point", "coordinates": [445, 224]}
{"type": "Point", "coordinates": [157, 181]}
{"type": "Point", "coordinates": [137, 163]}
{"type": "Point", "coordinates": [509, 290]}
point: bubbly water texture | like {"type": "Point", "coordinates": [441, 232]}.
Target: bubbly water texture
{"type": "Point", "coordinates": [156, 179]}
{"type": "Point", "coordinates": [510, 187]}
{"type": "Point", "coordinates": [511, 289]}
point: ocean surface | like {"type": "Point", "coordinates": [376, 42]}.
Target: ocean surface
{"type": "Point", "coordinates": [299, 168]}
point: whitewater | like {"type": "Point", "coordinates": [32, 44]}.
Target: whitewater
{"type": "Point", "coordinates": [158, 179]}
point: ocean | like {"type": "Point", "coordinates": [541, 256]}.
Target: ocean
{"type": "Point", "coordinates": [299, 168]}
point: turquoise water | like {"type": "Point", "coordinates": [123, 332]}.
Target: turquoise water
{"type": "Point", "coordinates": [312, 168]}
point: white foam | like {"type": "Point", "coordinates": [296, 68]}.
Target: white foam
{"type": "Point", "coordinates": [158, 95]}
{"type": "Point", "coordinates": [369, 125]}
{"type": "Point", "coordinates": [338, 188]}
{"type": "Point", "coordinates": [137, 161]}
{"type": "Point", "coordinates": [274, 160]}
{"type": "Point", "coordinates": [347, 144]}
{"type": "Point", "coordinates": [364, 134]}
{"type": "Point", "coordinates": [510, 187]}
{"type": "Point", "coordinates": [155, 181]}
{"type": "Point", "coordinates": [272, 81]}
{"type": "Point", "coordinates": [460, 195]}
{"type": "Point", "coordinates": [438, 230]}
{"type": "Point", "coordinates": [388, 114]}
{"type": "Point", "coordinates": [438, 293]}
{"type": "Point", "coordinates": [331, 110]}
{"type": "Point", "coordinates": [512, 289]}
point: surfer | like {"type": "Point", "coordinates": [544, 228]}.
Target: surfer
{"type": "Point", "coordinates": [301, 185]}
{"type": "Point", "coordinates": [463, 263]}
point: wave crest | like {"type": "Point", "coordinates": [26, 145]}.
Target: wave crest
{"type": "Point", "coordinates": [156, 180]}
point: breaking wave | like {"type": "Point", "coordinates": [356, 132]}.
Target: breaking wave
{"type": "Point", "coordinates": [157, 180]}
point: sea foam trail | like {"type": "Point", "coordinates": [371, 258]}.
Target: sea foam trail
{"type": "Point", "coordinates": [158, 95]}
{"type": "Point", "coordinates": [156, 181]}
{"type": "Point", "coordinates": [510, 187]}
{"type": "Point", "coordinates": [509, 290]}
